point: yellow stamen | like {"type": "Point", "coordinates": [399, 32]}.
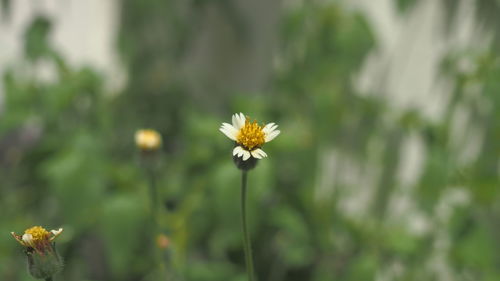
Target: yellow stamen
{"type": "Point", "coordinates": [250, 135]}
{"type": "Point", "coordinates": [38, 233]}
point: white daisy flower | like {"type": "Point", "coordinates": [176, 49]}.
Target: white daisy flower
{"type": "Point", "coordinates": [249, 137]}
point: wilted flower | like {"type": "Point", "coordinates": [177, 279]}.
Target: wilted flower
{"type": "Point", "coordinates": [37, 238]}
{"type": "Point", "coordinates": [249, 137]}
{"type": "Point", "coordinates": [148, 140]}
{"type": "Point", "coordinates": [43, 260]}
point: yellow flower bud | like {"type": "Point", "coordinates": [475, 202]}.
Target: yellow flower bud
{"type": "Point", "coordinates": [148, 140]}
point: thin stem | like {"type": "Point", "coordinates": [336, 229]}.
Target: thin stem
{"type": "Point", "coordinates": [246, 240]}
{"type": "Point", "coordinates": [153, 193]}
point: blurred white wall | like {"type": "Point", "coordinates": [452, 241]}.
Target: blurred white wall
{"type": "Point", "coordinates": [84, 32]}
{"type": "Point", "coordinates": [404, 69]}
{"type": "Point", "coordinates": [410, 49]}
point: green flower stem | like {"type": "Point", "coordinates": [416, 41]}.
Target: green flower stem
{"type": "Point", "coordinates": [246, 240]}
{"type": "Point", "coordinates": [153, 193]}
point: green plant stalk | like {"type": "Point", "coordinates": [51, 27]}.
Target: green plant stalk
{"type": "Point", "coordinates": [246, 240]}
{"type": "Point", "coordinates": [153, 193]}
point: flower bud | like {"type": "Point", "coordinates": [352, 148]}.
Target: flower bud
{"type": "Point", "coordinates": [148, 140]}
{"type": "Point", "coordinates": [43, 259]}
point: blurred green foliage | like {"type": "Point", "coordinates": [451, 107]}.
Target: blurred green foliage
{"type": "Point", "coordinates": [68, 159]}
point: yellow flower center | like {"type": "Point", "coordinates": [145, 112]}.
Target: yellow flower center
{"type": "Point", "coordinates": [251, 135]}
{"type": "Point", "coordinates": [38, 233]}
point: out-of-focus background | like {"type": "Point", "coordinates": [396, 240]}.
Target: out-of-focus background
{"type": "Point", "coordinates": [387, 167]}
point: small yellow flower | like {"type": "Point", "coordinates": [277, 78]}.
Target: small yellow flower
{"type": "Point", "coordinates": [148, 140]}
{"type": "Point", "coordinates": [249, 136]}
{"type": "Point", "coordinates": [37, 238]}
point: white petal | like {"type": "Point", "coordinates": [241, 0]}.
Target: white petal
{"type": "Point", "coordinates": [27, 238]}
{"type": "Point", "coordinates": [262, 153]}
{"type": "Point", "coordinates": [237, 124]}
{"type": "Point", "coordinates": [258, 153]}
{"type": "Point", "coordinates": [56, 232]}
{"type": "Point", "coordinates": [272, 135]}
{"type": "Point", "coordinates": [227, 125]}
{"type": "Point", "coordinates": [241, 152]}
{"type": "Point", "coordinates": [269, 128]}
{"type": "Point", "coordinates": [240, 120]}
{"type": "Point", "coordinates": [237, 150]}
{"type": "Point", "coordinates": [234, 120]}
{"type": "Point", "coordinates": [255, 155]}
{"type": "Point", "coordinates": [229, 131]}
{"type": "Point", "coordinates": [246, 155]}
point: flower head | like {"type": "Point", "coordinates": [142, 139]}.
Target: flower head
{"type": "Point", "coordinates": [43, 259]}
{"type": "Point", "coordinates": [148, 140]}
{"type": "Point", "coordinates": [249, 136]}
{"type": "Point", "coordinates": [37, 238]}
